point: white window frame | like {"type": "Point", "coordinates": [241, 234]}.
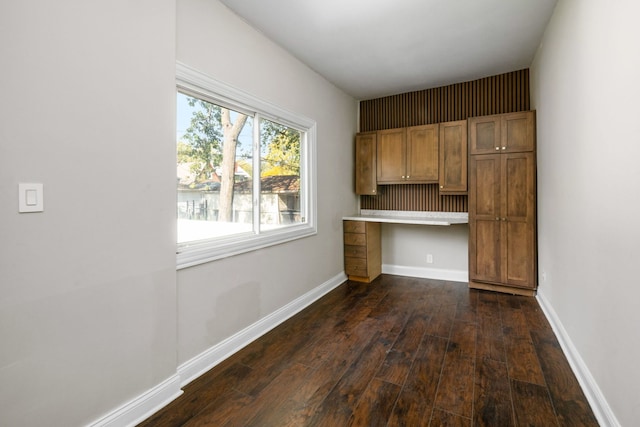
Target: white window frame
{"type": "Point", "coordinates": [198, 84]}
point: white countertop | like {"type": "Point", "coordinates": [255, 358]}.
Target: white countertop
{"type": "Point", "coordinates": [411, 217]}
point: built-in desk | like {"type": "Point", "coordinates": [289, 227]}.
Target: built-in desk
{"type": "Point", "coordinates": [362, 247]}
{"type": "Point", "coordinates": [411, 217]}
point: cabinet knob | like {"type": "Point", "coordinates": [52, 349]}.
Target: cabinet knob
{"type": "Point", "coordinates": [497, 218]}
{"type": "Point", "coordinates": [374, 190]}
{"type": "Point", "coordinates": [442, 186]}
{"type": "Point", "coordinates": [504, 219]}
{"type": "Point", "coordinates": [497, 148]}
{"type": "Point", "coordinates": [403, 177]}
{"type": "Point", "coordinates": [504, 148]}
{"type": "Point", "coordinates": [407, 176]}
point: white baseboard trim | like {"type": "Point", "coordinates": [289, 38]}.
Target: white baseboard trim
{"type": "Point", "coordinates": [599, 404]}
{"type": "Point", "coordinates": [206, 360]}
{"type": "Point", "coordinates": [426, 273]}
{"type": "Point", "coordinates": [143, 406]}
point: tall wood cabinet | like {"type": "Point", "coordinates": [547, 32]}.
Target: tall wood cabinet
{"type": "Point", "coordinates": [366, 147]}
{"type": "Point", "coordinates": [502, 203]}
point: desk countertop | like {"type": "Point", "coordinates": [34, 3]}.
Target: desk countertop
{"type": "Point", "coordinates": [411, 217]}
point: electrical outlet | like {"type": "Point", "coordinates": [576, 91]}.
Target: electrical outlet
{"type": "Point", "coordinates": [429, 259]}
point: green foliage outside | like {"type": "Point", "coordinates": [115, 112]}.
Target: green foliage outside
{"type": "Point", "coordinates": [201, 145]}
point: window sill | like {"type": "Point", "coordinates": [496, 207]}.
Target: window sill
{"type": "Point", "coordinates": [196, 253]}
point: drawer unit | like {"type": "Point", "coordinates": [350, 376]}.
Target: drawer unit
{"type": "Point", "coordinates": [362, 257]}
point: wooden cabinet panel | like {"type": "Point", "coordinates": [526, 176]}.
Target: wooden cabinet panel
{"type": "Point", "coordinates": [504, 133]}
{"type": "Point", "coordinates": [518, 176]}
{"type": "Point", "coordinates": [355, 251]}
{"type": "Point", "coordinates": [355, 227]}
{"type": "Point", "coordinates": [484, 134]}
{"type": "Point", "coordinates": [519, 213]}
{"type": "Point", "coordinates": [485, 256]}
{"type": "Point", "coordinates": [366, 147]}
{"type": "Point", "coordinates": [422, 154]}
{"type": "Point", "coordinates": [453, 157]}
{"type": "Point", "coordinates": [502, 211]}
{"type": "Point", "coordinates": [391, 156]}
{"type": "Point", "coordinates": [362, 250]}
{"type": "Point", "coordinates": [356, 267]}
{"type": "Point", "coordinates": [355, 239]}
{"type": "Point", "coordinates": [518, 132]}
{"type": "Point", "coordinates": [484, 218]}
{"type": "Point", "coordinates": [519, 247]}
{"type": "Point", "coordinates": [484, 200]}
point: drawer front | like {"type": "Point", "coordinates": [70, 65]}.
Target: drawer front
{"type": "Point", "coordinates": [354, 227]}
{"type": "Point", "coordinates": [355, 239]}
{"type": "Point", "coordinates": [355, 266]}
{"type": "Point", "coordinates": [355, 251]}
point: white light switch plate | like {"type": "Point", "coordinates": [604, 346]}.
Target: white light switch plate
{"type": "Point", "coordinates": [30, 197]}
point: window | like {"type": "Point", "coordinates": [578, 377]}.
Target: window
{"type": "Point", "coordinates": [245, 171]}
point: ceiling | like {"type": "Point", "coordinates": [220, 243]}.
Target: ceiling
{"type": "Point", "coordinates": [374, 48]}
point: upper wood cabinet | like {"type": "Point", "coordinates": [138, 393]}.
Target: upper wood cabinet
{"type": "Point", "coordinates": [453, 157]}
{"type": "Point", "coordinates": [392, 154]}
{"type": "Point", "coordinates": [408, 155]}
{"type": "Point", "coordinates": [366, 147]}
{"type": "Point", "coordinates": [503, 133]}
{"type": "Point", "coordinates": [422, 154]}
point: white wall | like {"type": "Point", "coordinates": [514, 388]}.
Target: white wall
{"type": "Point", "coordinates": [585, 88]}
{"type": "Point", "coordinates": [405, 248]}
{"type": "Point", "coordinates": [218, 299]}
{"type": "Point", "coordinates": [87, 288]}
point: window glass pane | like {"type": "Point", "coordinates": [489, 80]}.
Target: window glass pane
{"type": "Point", "coordinates": [214, 170]}
{"type": "Point", "coordinates": [279, 175]}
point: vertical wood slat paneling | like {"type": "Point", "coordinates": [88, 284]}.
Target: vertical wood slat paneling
{"type": "Point", "coordinates": [500, 94]}
{"type": "Point", "coordinates": [504, 93]}
{"type": "Point", "coordinates": [414, 197]}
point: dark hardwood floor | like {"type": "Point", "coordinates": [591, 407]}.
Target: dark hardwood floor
{"type": "Point", "coordinates": [397, 352]}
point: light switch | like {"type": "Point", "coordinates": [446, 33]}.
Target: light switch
{"type": "Point", "coordinates": [30, 197]}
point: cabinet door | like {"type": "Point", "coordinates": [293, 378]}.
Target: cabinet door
{"type": "Point", "coordinates": [453, 157]}
{"type": "Point", "coordinates": [391, 156]}
{"type": "Point", "coordinates": [484, 134]}
{"type": "Point", "coordinates": [366, 146]}
{"type": "Point", "coordinates": [485, 220]}
{"type": "Point", "coordinates": [422, 154]}
{"type": "Point", "coordinates": [518, 132]}
{"type": "Point", "coordinates": [519, 211]}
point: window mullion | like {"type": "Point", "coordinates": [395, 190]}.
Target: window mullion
{"type": "Point", "coordinates": [256, 174]}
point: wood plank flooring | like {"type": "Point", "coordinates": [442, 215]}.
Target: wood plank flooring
{"type": "Point", "coordinates": [397, 352]}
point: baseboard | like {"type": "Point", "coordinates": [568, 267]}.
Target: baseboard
{"type": "Point", "coordinates": [427, 273]}
{"type": "Point", "coordinates": [599, 405]}
{"type": "Point", "coordinates": [206, 360]}
{"type": "Point", "coordinates": [142, 407]}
